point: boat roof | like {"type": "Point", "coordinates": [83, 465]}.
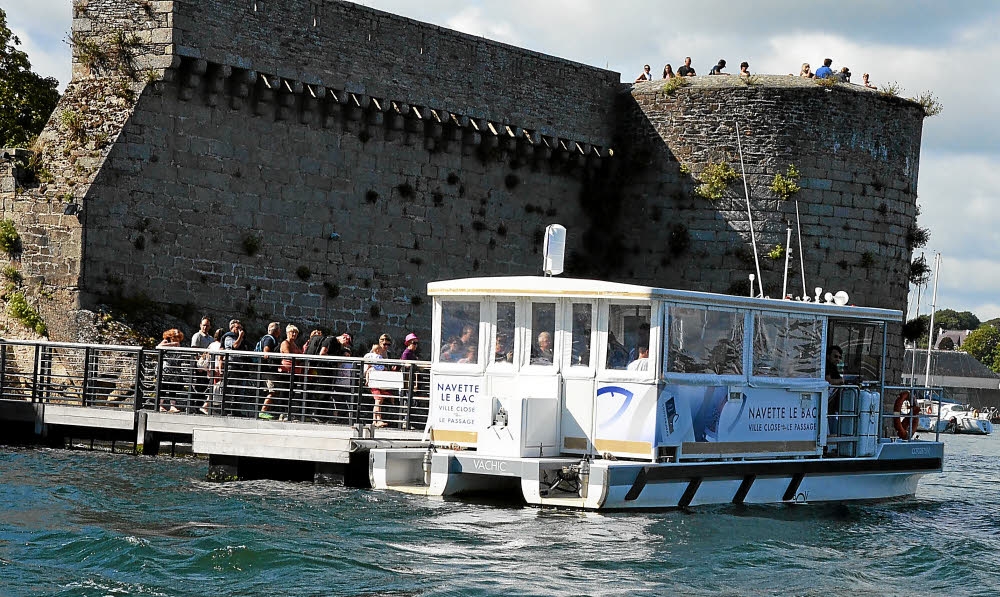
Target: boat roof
{"type": "Point", "coordinates": [542, 286]}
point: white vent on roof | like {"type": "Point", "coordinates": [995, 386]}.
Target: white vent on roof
{"type": "Point", "coordinates": [554, 250]}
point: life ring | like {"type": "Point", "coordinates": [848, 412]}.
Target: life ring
{"type": "Point", "coordinates": [930, 410]}
{"type": "Point", "coordinates": [906, 425]}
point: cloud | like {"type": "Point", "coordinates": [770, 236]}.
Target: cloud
{"type": "Point", "coordinates": [42, 25]}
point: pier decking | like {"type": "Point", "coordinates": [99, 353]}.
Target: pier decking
{"type": "Point", "coordinates": [323, 412]}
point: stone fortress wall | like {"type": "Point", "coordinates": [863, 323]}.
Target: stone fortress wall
{"type": "Point", "coordinates": [320, 162]}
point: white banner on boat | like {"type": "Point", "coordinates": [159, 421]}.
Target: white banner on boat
{"type": "Point", "coordinates": [454, 402]}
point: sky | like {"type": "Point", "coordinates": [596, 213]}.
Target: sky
{"type": "Point", "coordinates": [947, 48]}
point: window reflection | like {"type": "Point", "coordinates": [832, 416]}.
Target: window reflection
{"type": "Point", "coordinates": [703, 340]}
{"type": "Point", "coordinates": [786, 346]}
{"type": "Point", "coordinates": [459, 332]}
{"type": "Point", "coordinates": [543, 332]}
{"type": "Point", "coordinates": [628, 336]}
{"type": "Point", "coordinates": [503, 340]}
{"type": "Point", "coordinates": [582, 322]}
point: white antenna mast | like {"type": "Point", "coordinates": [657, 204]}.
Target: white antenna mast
{"type": "Point", "coordinates": [802, 264]}
{"type": "Point", "coordinates": [746, 191]}
{"type": "Point", "coordinates": [930, 334]}
{"type": "Point", "coordinates": [913, 360]}
{"type": "Point", "coordinates": [788, 255]}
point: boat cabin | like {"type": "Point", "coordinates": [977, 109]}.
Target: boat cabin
{"type": "Point", "coordinates": [544, 366]}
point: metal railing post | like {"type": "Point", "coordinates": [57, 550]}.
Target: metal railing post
{"type": "Point", "coordinates": [224, 382]}
{"type": "Point", "coordinates": [86, 376]}
{"type": "Point", "coordinates": [356, 411]}
{"type": "Point", "coordinates": [34, 373]}
{"type": "Point", "coordinates": [159, 381]}
{"type": "Point", "coordinates": [3, 369]}
{"type": "Point", "coordinates": [411, 381]}
{"type": "Point", "coordinates": [138, 398]}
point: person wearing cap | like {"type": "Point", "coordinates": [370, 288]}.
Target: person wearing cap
{"type": "Point", "coordinates": [412, 344]}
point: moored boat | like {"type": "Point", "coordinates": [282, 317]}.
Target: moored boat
{"type": "Point", "coordinates": [598, 395]}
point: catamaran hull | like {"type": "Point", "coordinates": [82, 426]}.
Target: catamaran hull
{"type": "Point", "coordinates": [606, 484]}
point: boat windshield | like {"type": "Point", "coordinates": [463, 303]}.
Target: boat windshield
{"type": "Point", "coordinates": [861, 343]}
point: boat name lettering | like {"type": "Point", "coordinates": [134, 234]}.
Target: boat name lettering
{"type": "Point", "coordinates": [493, 466]}
{"type": "Point", "coordinates": [920, 451]}
{"type": "Point", "coordinates": [782, 412]}
{"type": "Point", "coordinates": [458, 392]}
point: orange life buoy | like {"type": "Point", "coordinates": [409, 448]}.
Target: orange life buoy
{"type": "Point", "coordinates": [930, 410]}
{"type": "Point", "coordinates": [906, 425]}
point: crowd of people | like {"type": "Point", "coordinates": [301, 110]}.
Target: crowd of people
{"type": "Point", "coordinates": [824, 72]}
{"type": "Point", "coordinates": [274, 371]}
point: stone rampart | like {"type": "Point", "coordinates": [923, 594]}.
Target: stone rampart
{"type": "Point", "coordinates": [320, 162]}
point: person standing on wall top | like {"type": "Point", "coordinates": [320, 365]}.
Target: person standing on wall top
{"type": "Point", "coordinates": [717, 69]}
{"type": "Point", "coordinates": [269, 343]}
{"type": "Point", "coordinates": [645, 75]}
{"type": "Point", "coordinates": [825, 70]}
{"type": "Point", "coordinates": [745, 69]}
{"type": "Point", "coordinates": [805, 71]}
{"type": "Point", "coordinates": [864, 81]}
{"type": "Point", "coordinates": [686, 70]}
{"type": "Point", "coordinates": [668, 72]}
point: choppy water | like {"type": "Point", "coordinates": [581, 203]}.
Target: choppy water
{"type": "Point", "coordinates": [85, 523]}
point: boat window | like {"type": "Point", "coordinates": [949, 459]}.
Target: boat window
{"type": "Point", "coordinates": [583, 314]}
{"type": "Point", "coordinates": [704, 340]}
{"type": "Point", "coordinates": [503, 339]}
{"type": "Point", "coordinates": [459, 332]}
{"type": "Point", "coordinates": [543, 332]}
{"type": "Point", "coordinates": [786, 345]}
{"type": "Point", "coordinates": [628, 337]}
{"type": "Point", "coordinates": [861, 343]}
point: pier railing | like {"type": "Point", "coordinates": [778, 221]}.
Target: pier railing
{"type": "Point", "coordinates": [319, 389]}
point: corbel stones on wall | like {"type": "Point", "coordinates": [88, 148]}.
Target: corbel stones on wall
{"type": "Point", "coordinates": [314, 104]}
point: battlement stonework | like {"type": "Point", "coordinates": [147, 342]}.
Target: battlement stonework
{"type": "Point", "coordinates": [320, 162]}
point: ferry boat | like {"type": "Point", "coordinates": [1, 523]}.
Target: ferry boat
{"type": "Point", "coordinates": [596, 395]}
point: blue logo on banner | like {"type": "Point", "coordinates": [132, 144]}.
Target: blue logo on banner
{"type": "Point", "coordinates": [626, 397]}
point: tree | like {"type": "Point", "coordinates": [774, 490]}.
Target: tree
{"type": "Point", "coordinates": [950, 319]}
{"type": "Point", "coordinates": [26, 98]}
{"type": "Point", "coordinates": [983, 344]}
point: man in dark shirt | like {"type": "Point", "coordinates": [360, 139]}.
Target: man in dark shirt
{"type": "Point", "coordinates": [834, 357]}
{"type": "Point", "coordinates": [686, 70]}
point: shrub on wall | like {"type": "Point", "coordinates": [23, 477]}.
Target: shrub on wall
{"type": "Point", "coordinates": [19, 309]}
{"type": "Point", "coordinates": [785, 185]}
{"type": "Point", "coordinates": [10, 240]}
{"type": "Point", "coordinates": [714, 179]}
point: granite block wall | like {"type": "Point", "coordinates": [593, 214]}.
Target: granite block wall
{"type": "Point", "coordinates": [320, 162]}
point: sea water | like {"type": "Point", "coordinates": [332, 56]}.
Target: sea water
{"type": "Point", "coordinates": [94, 524]}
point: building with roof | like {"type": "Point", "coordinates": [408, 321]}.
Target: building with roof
{"type": "Point", "coordinates": [962, 377]}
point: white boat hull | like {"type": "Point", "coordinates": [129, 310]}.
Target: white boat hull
{"type": "Point", "coordinates": [893, 472]}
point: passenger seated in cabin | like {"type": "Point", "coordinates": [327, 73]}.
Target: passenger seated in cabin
{"type": "Point", "coordinates": [501, 352]}
{"type": "Point", "coordinates": [834, 361]}
{"type": "Point", "coordinates": [469, 356]}
{"type": "Point", "coordinates": [617, 355]}
{"type": "Point", "coordinates": [451, 350]}
{"type": "Point", "coordinates": [541, 354]}
{"type": "Point", "coordinates": [641, 363]}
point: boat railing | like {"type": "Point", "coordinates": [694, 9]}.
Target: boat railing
{"type": "Point", "coordinates": [321, 389]}
{"type": "Point", "coordinates": [901, 408]}
{"type": "Point", "coordinates": [852, 428]}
